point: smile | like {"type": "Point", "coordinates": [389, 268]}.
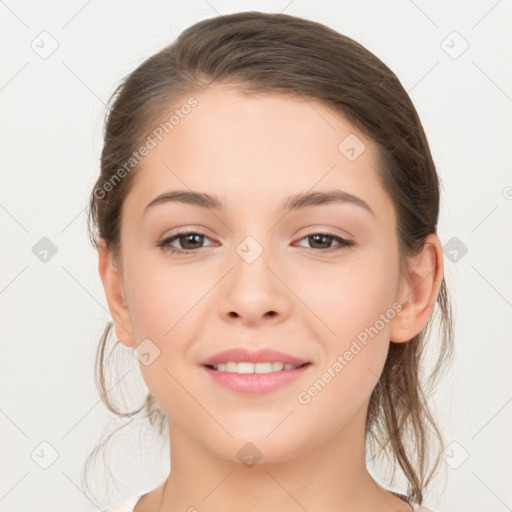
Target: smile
{"type": "Point", "coordinates": [255, 378]}
{"type": "Point", "coordinates": [247, 367]}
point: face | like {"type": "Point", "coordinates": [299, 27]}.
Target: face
{"type": "Point", "coordinates": [316, 281]}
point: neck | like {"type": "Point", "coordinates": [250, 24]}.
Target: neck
{"type": "Point", "coordinates": [325, 474]}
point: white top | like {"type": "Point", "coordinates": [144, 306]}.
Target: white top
{"type": "Point", "coordinates": [129, 505]}
{"type": "Point", "coordinates": [126, 506]}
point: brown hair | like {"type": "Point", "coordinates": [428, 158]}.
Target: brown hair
{"type": "Point", "coordinates": [283, 54]}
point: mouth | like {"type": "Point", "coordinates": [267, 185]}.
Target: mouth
{"type": "Point", "coordinates": [247, 378]}
{"type": "Point", "coordinates": [246, 367]}
{"type": "Point", "coordinates": [249, 371]}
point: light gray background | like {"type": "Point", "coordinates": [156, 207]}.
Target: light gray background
{"type": "Point", "coordinates": [53, 312]}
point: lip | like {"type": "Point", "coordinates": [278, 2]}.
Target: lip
{"type": "Point", "coordinates": [262, 355]}
{"type": "Point", "coordinates": [255, 383]}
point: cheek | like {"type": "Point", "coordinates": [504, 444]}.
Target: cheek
{"type": "Point", "coordinates": [164, 303]}
{"type": "Point", "coordinates": [160, 305]}
{"type": "Point", "coordinates": [355, 302]}
{"type": "Point", "coordinates": [355, 308]}
{"type": "Point", "coordinates": [158, 297]}
{"type": "Point", "coordinates": [345, 299]}
{"type": "Point", "coordinates": [340, 306]}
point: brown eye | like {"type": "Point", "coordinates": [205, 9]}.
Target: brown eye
{"type": "Point", "coordinates": [190, 240]}
{"type": "Point", "coordinates": [187, 241]}
{"type": "Point", "coordinates": [323, 242]}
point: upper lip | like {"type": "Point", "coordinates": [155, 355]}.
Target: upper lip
{"type": "Point", "coordinates": [262, 355]}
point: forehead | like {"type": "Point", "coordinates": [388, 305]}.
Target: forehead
{"type": "Point", "coordinates": [258, 147]}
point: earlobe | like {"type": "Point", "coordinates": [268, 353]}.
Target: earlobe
{"type": "Point", "coordinates": [112, 281]}
{"type": "Point", "coordinates": [419, 290]}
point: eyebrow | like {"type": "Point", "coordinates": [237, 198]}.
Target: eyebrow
{"type": "Point", "coordinates": [295, 202]}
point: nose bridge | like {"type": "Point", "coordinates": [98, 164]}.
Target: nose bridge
{"type": "Point", "coordinates": [253, 291]}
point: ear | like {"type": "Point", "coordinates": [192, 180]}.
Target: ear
{"type": "Point", "coordinates": [418, 291]}
{"type": "Point", "coordinates": [112, 280]}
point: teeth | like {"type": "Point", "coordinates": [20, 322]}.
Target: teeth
{"type": "Point", "coordinates": [277, 366]}
{"type": "Point", "coordinates": [243, 367]}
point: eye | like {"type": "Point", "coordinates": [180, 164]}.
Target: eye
{"type": "Point", "coordinates": [324, 240]}
{"type": "Point", "coordinates": [188, 240]}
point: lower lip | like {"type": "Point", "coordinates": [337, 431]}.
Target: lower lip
{"type": "Point", "coordinates": [256, 383]}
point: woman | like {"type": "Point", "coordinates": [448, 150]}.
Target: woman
{"type": "Point", "coordinates": [265, 220]}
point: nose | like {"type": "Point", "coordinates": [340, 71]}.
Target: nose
{"type": "Point", "coordinates": [255, 292]}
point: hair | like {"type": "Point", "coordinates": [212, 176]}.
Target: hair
{"type": "Point", "coordinates": [281, 54]}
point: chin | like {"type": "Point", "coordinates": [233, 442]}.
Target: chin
{"type": "Point", "coordinates": [256, 445]}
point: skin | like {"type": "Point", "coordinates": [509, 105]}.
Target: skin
{"type": "Point", "coordinates": [253, 151]}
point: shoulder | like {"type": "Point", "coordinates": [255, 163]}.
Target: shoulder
{"type": "Point", "coordinates": [415, 506]}
{"type": "Point", "coordinates": [125, 506]}
{"type": "Point", "coordinates": [420, 508]}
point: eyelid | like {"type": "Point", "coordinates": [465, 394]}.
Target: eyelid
{"type": "Point", "coordinates": [186, 229]}
{"type": "Point", "coordinates": [323, 229]}
{"type": "Point", "coordinates": [342, 242]}
{"type": "Point", "coordinates": [164, 241]}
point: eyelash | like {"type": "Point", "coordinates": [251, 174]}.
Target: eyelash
{"type": "Point", "coordinates": [164, 244]}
